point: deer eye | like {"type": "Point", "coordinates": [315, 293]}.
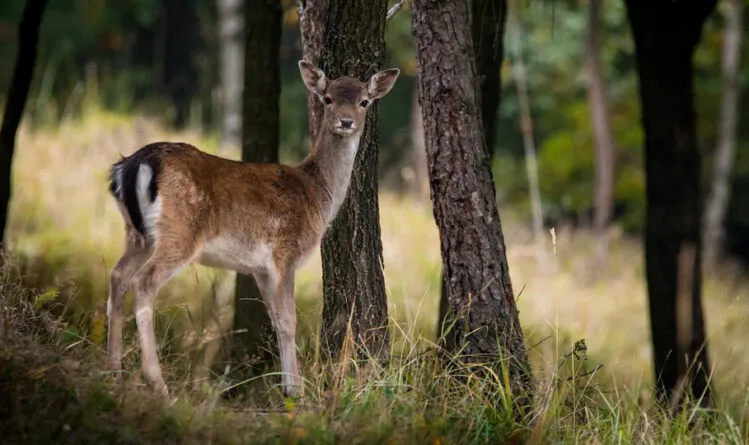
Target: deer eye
{"type": "Point", "coordinates": [364, 103]}
{"type": "Point", "coordinates": [328, 100]}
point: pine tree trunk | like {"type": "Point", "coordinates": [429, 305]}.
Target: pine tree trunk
{"type": "Point", "coordinates": [665, 35]}
{"type": "Point", "coordinates": [231, 38]}
{"type": "Point", "coordinates": [488, 28]}
{"type": "Point", "coordinates": [260, 139]}
{"type": "Point", "coordinates": [604, 141]}
{"type": "Point", "coordinates": [312, 27]}
{"type": "Point", "coordinates": [353, 283]}
{"type": "Point", "coordinates": [720, 193]}
{"type": "Point", "coordinates": [18, 91]}
{"type": "Point", "coordinates": [479, 290]}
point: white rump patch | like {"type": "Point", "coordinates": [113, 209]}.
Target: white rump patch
{"type": "Point", "coordinates": [150, 211]}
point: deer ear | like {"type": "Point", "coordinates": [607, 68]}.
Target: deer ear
{"type": "Point", "coordinates": [381, 83]}
{"type": "Point", "coordinates": [313, 77]}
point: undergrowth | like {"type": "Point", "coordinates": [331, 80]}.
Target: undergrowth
{"type": "Point", "coordinates": [58, 391]}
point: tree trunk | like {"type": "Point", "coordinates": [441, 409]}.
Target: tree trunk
{"type": "Point", "coordinates": [180, 42]}
{"type": "Point", "coordinates": [529, 146]}
{"type": "Point", "coordinates": [420, 180]}
{"type": "Point", "coordinates": [18, 91]}
{"type": "Point", "coordinates": [488, 28]}
{"type": "Point", "coordinates": [231, 30]}
{"type": "Point", "coordinates": [473, 249]}
{"type": "Point", "coordinates": [605, 151]}
{"type": "Point", "coordinates": [312, 27]}
{"type": "Point", "coordinates": [260, 139]}
{"type": "Point", "coordinates": [720, 193]}
{"type": "Point", "coordinates": [354, 298]}
{"type": "Point", "coordinates": [666, 34]}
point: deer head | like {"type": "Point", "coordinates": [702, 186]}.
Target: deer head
{"type": "Point", "coordinates": [346, 99]}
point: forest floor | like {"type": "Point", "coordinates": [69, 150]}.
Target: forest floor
{"type": "Point", "coordinates": [67, 235]}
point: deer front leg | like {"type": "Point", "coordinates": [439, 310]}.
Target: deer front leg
{"type": "Point", "coordinates": [285, 325]}
{"type": "Point", "coordinates": [278, 293]}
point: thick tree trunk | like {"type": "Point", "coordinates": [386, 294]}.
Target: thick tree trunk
{"type": "Point", "coordinates": [354, 299]}
{"type": "Point", "coordinates": [231, 38]}
{"type": "Point", "coordinates": [312, 27]}
{"type": "Point", "coordinates": [666, 34]}
{"type": "Point", "coordinates": [604, 140]}
{"type": "Point", "coordinates": [488, 30]}
{"type": "Point", "coordinates": [479, 291]}
{"type": "Point", "coordinates": [260, 139]}
{"type": "Point", "coordinates": [180, 42]}
{"type": "Point", "coordinates": [720, 193]}
{"type": "Point", "coordinates": [18, 91]}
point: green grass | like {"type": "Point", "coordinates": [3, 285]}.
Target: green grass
{"type": "Point", "coordinates": [66, 234]}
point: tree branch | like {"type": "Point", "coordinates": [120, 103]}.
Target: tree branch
{"type": "Point", "coordinates": [396, 7]}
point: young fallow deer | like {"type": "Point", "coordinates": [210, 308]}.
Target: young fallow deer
{"type": "Point", "coordinates": [181, 205]}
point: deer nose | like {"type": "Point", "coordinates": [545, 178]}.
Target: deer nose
{"type": "Point", "coordinates": [346, 122]}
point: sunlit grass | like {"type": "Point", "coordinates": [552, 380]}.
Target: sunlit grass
{"type": "Point", "coordinates": [66, 235]}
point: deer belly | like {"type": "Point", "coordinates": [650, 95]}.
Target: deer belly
{"type": "Point", "coordinates": [231, 254]}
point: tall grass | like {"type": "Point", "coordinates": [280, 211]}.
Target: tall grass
{"type": "Point", "coordinates": [588, 337]}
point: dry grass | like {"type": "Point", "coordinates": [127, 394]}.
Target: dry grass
{"type": "Point", "coordinates": [66, 235]}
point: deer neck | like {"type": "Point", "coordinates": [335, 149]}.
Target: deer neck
{"type": "Point", "coordinates": [330, 163]}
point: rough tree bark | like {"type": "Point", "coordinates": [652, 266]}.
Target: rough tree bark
{"type": "Point", "coordinates": [604, 140]}
{"type": "Point", "coordinates": [479, 290]}
{"type": "Point", "coordinates": [353, 283]}
{"type": "Point", "coordinates": [260, 139]}
{"type": "Point", "coordinates": [18, 91]}
{"type": "Point", "coordinates": [666, 34]}
{"type": "Point", "coordinates": [312, 27]}
{"type": "Point", "coordinates": [720, 192]}
{"type": "Point", "coordinates": [231, 33]}
{"type": "Point", "coordinates": [488, 30]}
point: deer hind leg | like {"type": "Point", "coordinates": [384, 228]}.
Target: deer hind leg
{"type": "Point", "coordinates": [165, 262]}
{"type": "Point", "coordinates": [133, 259]}
{"type": "Point", "coordinates": [278, 293]}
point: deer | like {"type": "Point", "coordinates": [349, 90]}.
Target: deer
{"type": "Point", "coordinates": [181, 205]}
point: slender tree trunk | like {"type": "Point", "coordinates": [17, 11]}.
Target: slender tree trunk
{"type": "Point", "coordinates": [604, 140]}
{"type": "Point", "coordinates": [18, 91]}
{"type": "Point", "coordinates": [720, 192]}
{"type": "Point", "coordinates": [231, 38]}
{"type": "Point", "coordinates": [479, 290]}
{"type": "Point", "coordinates": [260, 136]}
{"type": "Point", "coordinates": [180, 73]}
{"type": "Point", "coordinates": [420, 184]}
{"type": "Point", "coordinates": [488, 31]}
{"type": "Point", "coordinates": [526, 128]}
{"type": "Point", "coordinates": [354, 298]}
{"type": "Point", "coordinates": [312, 27]}
{"type": "Point", "coordinates": [666, 34]}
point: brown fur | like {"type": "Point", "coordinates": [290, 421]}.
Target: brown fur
{"type": "Point", "coordinates": [259, 219]}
